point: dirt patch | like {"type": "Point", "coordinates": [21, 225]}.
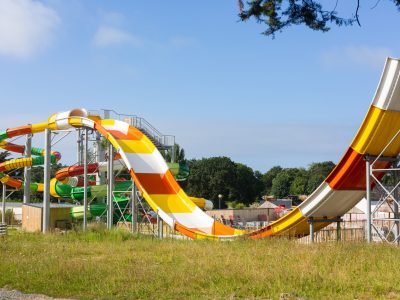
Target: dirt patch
{"type": "Point", "coordinates": [17, 295]}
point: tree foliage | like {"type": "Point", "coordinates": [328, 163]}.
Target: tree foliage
{"type": "Point", "coordinates": [280, 14]}
{"type": "Point", "coordinates": [179, 154]}
{"type": "Point", "coordinates": [239, 184]}
{"type": "Point", "coordinates": [210, 177]}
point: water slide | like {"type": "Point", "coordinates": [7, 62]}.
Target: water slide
{"type": "Point", "coordinates": [67, 185]}
{"type": "Point", "coordinates": [340, 191]}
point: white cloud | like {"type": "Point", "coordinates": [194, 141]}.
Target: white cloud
{"type": "Point", "coordinates": [108, 36]}
{"type": "Point", "coordinates": [371, 57]}
{"type": "Point", "coordinates": [182, 42]}
{"type": "Point", "coordinates": [26, 26]}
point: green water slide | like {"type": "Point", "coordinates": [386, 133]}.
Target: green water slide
{"type": "Point", "coordinates": [121, 194]}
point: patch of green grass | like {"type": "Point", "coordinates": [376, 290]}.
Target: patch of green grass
{"type": "Point", "coordinates": [105, 264]}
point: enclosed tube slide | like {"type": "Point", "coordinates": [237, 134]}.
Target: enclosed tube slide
{"type": "Point", "coordinates": [65, 184]}
{"type": "Point", "coordinates": [23, 162]}
{"type": "Point", "coordinates": [340, 191]}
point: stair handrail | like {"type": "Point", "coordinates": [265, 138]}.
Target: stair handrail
{"type": "Point", "coordinates": [142, 124]}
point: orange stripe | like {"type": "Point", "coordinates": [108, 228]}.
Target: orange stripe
{"type": "Point", "coordinates": [159, 183]}
{"type": "Point", "coordinates": [349, 174]}
{"type": "Point", "coordinates": [15, 183]}
{"type": "Point", "coordinates": [261, 233]}
{"type": "Point", "coordinates": [136, 180]}
{"type": "Point", "coordinates": [101, 129]}
{"type": "Point", "coordinates": [13, 147]}
{"type": "Point", "coordinates": [221, 229]}
{"type": "Point", "coordinates": [184, 230]}
{"type": "Point", "coordinates": [133, 134]}
{"type": "Point", "coordinates": [20, 130]}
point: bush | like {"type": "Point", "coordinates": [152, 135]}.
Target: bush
{"type": "Point", "coordinates": [9, 217]}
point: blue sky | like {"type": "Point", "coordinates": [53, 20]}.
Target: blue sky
{"type": "Point", "coordinates": [194, 71]}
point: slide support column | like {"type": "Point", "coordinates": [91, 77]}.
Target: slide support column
{"type": "Point", "coordinates": [311, 221]}
{"type": "Point", "coordinates": [133, 207]}
{"type": "Point", "coordinates": [368, 196]}
{"type": "Point", "coordinates": [110, 186]}
{"type": "Point", "coordinates": [3, 205]}
{"type": "Point", "coordinates": [27, 170]}
{"type": "Point", "coordinates": [85, 180]}
{"type": "Point", "coordinates": [46, 192]}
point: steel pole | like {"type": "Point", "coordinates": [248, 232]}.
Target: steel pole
{"type": "Point", "coordinates": [110, 186]}
{"type": "Point", "coordinates": [396, 207]}
{"type": "Point", "coordinates": [159, 226]}
{"type": "Point", "coordinates": [100, 157]}
{"type": "Point", "coordinates": [27, 171]}
{"type": "Point", "coordinates": [46, 192]}
{"type": "Point", "coordinates": [338, 231]}
{"type": "Point", "coordinates": [79, 146]}
{"type": "Point", "coordinates": [133, 207]}
{"type": "Point", "coordinates": [3, 205]}
{"type": "Point", "coordinates": [85, 180]}
{"type": "Point", "coordinates": [311, 221]}
{"type": "Point", "coordinates": [368, 196]}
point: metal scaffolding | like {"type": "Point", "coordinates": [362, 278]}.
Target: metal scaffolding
{"type": "Point", "coordinates": [383, 227]}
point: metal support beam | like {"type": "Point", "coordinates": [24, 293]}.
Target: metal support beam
{"type": "Point", "coordinates": [79, 141]}
{"type": "Point", "coordinates": [3, 205]}
{"type": "Point", "coordinates": [396, 206]}
{"type": "Point", "coordinates": [310, 220]}
{"type": "Point", "coordinates": [368, 196]}
{"type": "Point", "coordinates": [100, 157]}
{"type": "Point", "coordinates": [46, 192]}
{"type": "Point", "coordinates": [27, 171]}
{"type": "Point", "coordinates": [85, 180]}
{"type": "Point", "coordinates": [338, 231]}
{"type": "Point", "coordinates": [110, 186]}
{"type": "Point", "coordinates": [160, 227]}
{"type": "Point", "coordinates": [134, 207]}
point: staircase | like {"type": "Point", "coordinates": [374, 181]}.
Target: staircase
{"type": "Point", "coordinates": [161, 141]}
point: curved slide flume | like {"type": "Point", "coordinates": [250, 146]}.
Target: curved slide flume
{"type": "Point", "coordinates": [64, 178]}
{"type": "Point", "coordinates": [22, 162]}
{"type": "Point", "coordinates": [340, 191]}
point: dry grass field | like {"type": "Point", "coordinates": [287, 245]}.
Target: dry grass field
{"type": "Point", "coordinates": [115, 265]}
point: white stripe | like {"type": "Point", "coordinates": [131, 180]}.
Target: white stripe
{"type": "Point", "coordinates": [87, 122]}
{"type": "Point", "coordinates": [147, 163]}
{"type": "Point", "coordinates": [118, 126]}
{"type": "Point", "coordinates": [327, 202]}
{"type": "Point", "coordinates": [166, 218]}
{"type": "Point", "coordinates": [195, 219]}
{"type": "Point", "coordinates": [125, 159]}
{"type": "Point", "coordinates": [315, 199]}
{"type": "Point", "coordinates": [387, 96]}
{"type": "Point", "coordinates": [339, 203]}
{"type": "Point", "coordinates": [63, 124]}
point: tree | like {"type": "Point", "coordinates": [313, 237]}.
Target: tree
{"type": "Point", "coordinates": [280, 14]}
{"type": "Point", "coordinates": [4, 156]}
{"type": "Point", "coordinates": [317, 174]}
{"type": "Point", "coordinates": [298, 186]}
{"type": "Point", "coordinates": [281, 185]}
{"type": "Point", "coordinates": [267, 178]}
{"type": "Point", "coordinates": [179, 154]}
{"type": "Point", "coordinates": [210, 177]}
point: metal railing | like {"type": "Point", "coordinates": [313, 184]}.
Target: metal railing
{"type": "Point", "coordinates": [140, 123]}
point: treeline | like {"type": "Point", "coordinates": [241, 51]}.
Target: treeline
{"type": "Point", "coordinates": [240, 185]}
